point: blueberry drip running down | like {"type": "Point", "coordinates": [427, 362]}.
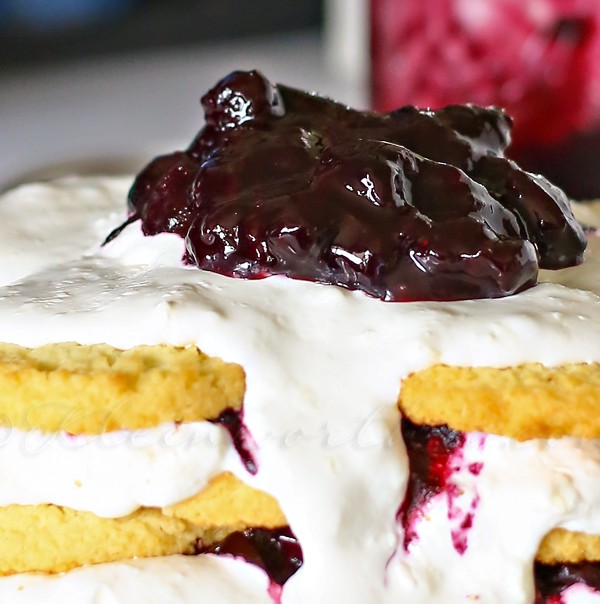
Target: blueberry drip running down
{"type": "Point", "coordinates": [410, 205]}
{"type": "Point", "coordinates": [233, 422]}
{"type": "Point", "coordinates": [552, 580]}
{"type": "Point", "coordinates": [276, 551]}
{"type": "Point", "coordinates": [429, 450]}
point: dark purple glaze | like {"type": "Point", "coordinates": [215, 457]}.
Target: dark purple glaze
{"type": "Point", "coordinates": [552, 580]}
{"type": "Point", "coordinates": [410, 205]}
{"type": "Point", "coordinates": [233, 422]}
{"type": "Point", "coordinates": [276, 551]}
{"type": "Point", "coordinates": [430, 450]}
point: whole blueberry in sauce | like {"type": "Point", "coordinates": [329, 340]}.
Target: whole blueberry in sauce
{"type": "Point", "coordinates": [408, 205]}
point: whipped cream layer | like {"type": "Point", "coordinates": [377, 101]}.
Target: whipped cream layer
{"type": "Point", "coordinates": [324, 368]}
{"type": "Point", "coordinates": [203, 579]}
{"type": "Point", "coordinates": [113, 474]}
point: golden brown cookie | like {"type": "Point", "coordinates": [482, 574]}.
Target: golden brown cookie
{"type": "Point", "coordinates": [522, 402]}
{"type": "Point", "coordinates": [96, 389]}
{"type": "Point", "coordinates": [561, 546]}
{"type": "Point", "coordinates": [227, 501]}
{"type": "Point", "coordinates": [55, 539]}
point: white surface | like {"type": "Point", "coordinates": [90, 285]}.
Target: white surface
{"type": "Point", "coordinates": [141, 104]}
{"type": "Point", "coordinates": [170, 580]}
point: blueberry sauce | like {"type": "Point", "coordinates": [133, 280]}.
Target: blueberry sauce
{"type": "Point", "coordinates": [435, 455]}
{"type": "Point", "coordinates": [233, 422]}
{"type": "Point", "coordinates": [552, 580]}
{"type": "Point", "coordinates": [408, 205]}
{"type": "Point", "coordinates": [276, 551]}
{"type": "Point", "coordinates": [430, 450]}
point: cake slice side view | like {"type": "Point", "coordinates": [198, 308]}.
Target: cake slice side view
{"type": "Point", "coordinates": [327, 349]}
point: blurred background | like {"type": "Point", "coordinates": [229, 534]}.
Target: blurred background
{"type": "Point", "coordinates": [36, 31]}
{"type": "Point", "coordinates": [103, 85]}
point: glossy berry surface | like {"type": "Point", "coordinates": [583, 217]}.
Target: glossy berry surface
{"type": "Point", "coordinates": [551, 580]}
{"type": "Point", "coordinates": [276, 551]}
{"type": "Point", "coordinates": [409, 205]}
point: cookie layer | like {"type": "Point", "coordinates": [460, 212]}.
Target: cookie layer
{"type": "Point", "coordinates": [55, 539]}
{"type": "Point", "coordinates": [523, 402]}
{"type": "Point", "coordinates": [562, 546]}
{"type": "Point", "coordinates": [96, 389]}
{"type": "Point", "coordinates": [227, 501]}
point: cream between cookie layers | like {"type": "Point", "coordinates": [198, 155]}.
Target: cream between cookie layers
{"type": "Point", "coordinates": [323, 370]}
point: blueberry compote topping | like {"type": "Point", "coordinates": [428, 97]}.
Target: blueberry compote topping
{"type": "Point", "coordinates": [408, 205]}
{"type": "Point", "coordinates": [552, 580]}
{"type": "Point", "coordinates": [233, 422]}
{"type": "Point", "coordinates": [430, 450]}
{"type": "Point", "coordinates": [276, 551]}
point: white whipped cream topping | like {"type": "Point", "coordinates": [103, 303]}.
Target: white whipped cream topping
{"type": "Point", "coordinates": [113, 474]}
{"type": "Point", "coordinates": [78, 214]}
{"type": "Point", "coordinates": [323, 367]}
{"type": "Point", "coordinates": [170, 580]}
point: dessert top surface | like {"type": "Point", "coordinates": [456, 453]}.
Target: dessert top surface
{"type": "Point", "coordinates": [410, 205]}
{"type": "Point", "coordinates": [339, 357]}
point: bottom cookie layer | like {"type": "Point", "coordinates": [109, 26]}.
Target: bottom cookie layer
{"type": "Point", "coordinates": [54, 539]}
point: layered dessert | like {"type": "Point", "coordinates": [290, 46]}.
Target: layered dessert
{"type": "Point", "coordinates": [320, 356]}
